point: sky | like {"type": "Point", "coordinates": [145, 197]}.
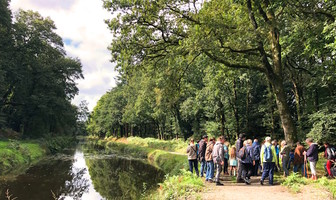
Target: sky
{"type": "Point", "coordinates": [81, 25]}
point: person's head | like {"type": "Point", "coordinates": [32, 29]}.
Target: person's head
{"type": "Point", "coordinates": [233, 152]}
{"type": "Point", "coordinates": [205, 138]}
{"type": "Point", "coordinates": [256, 140]}
{"type": "Point", "coordinates": [241, 136]}
{"type": "Point", "coordinates": [309, 141]}
{"type": "Point", "coordinates": [227, 143]}
{"type": "Point", "coordinates": [249, 142]}
{"type": "Point", "coordinates": [283, 143]}
{"type": "Point", "coordinates": [220, 139]}
{"type": "Point", "coordinates": [245, 143]}
{"type": "Point", "coordinates": [192, 141]}
{"type": "Point", "coordinates": [275, 142]}
{"type": "Point", "coordinates": [326, 144]}
{"type": "Point", "coordinates": [268, 139]}
{"type": "Point", "coordinates": [298, 144]}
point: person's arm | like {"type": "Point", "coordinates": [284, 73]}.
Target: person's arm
{"type": "Point", "coordinates": [188, 149]}
{"type": "Point", "coordinates": [221, 155]}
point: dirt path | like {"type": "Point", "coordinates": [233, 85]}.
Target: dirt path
{"type": "Point", "coordinates": [240, 191]}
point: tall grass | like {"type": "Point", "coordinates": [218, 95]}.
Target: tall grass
{"type": "Point", "coordinates": [182, 186]}
{"type": "Point", "coordinates": [294, 182]}
{"type": "Point", "coordinates": [175, 145]}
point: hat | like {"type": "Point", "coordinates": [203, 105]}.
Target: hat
{"type": "Point", "coordinates": [205, 136]}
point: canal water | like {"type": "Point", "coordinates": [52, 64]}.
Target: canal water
{"type": "Point", "coordinates": [89, 172]}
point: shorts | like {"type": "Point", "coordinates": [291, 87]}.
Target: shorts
{"type": "Point", "coordinates": [233, 162]}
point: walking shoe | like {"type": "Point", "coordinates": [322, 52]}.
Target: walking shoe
{"type": "Point", "coordinates": [247, 181]}
{"type": "Point", "coordinates": [261, 182]}
{"type": "Point", "coordinates": [219, 184]}
{"type": "Point", "coordinates": [210, 181]}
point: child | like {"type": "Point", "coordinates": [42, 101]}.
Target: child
{"type": "Point", "coordinates": [233, 161]}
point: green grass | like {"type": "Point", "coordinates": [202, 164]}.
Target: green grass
{"type": "Point", "coordinates": [16, 155]}
{"type": "Point", "coordinates": [167, 145]}
{"type": "Point", "coordinates": [294, 182]}
{"type": "Point", "coordinates": [182, 186]}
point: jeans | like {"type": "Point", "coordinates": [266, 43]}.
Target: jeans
{"type": "Point", "coordinates": [239, 172]}
{"type": "Point", "coordinates": [203, 167]}
{"type": "Point", "coordinates": [284, 166]}
{"type": "Point", "coordinates": [226, 165]}
{"type": "Point", "coordinates": [210, 170]}
{"type": "Point", "coordinates": [247, 170]}
{"type": "Point", "coordinates": [256, 168]}
{"type": "Point", "coordinates": [268, 170]}
{"type": "Point", "coordinates": [193, 164]}
{"type": "Point", "coordinates": [218, 172]}
{"type": "Point", "coordinates": [303, 170]}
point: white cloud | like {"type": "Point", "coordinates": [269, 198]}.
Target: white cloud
{"type": "Point", "coordinates": [82, 22]}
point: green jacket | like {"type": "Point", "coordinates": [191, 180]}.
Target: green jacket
{"type": "Point", "coordinates": [267, 144]}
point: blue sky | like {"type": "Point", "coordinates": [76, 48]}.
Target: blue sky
{"type": "Point", "coordinates": [81, 25]}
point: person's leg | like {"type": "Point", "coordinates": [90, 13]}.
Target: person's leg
{"type": "Point", "coordinates": [207, 174]}
{"type": "Point", "coordinates": [212, 170]}
{"type": "Point", "coordinates": [191, 165]}
{"type": "Point", "coordinates": [284, 167]}
{"type": "Point", "coordinates": [313, 169]}
{"type": "Point", "coordinates": [295, 169]}
{"type": "Point", "coordinates": [239, 172]}
{"type": "Point", "coordinates": [196, 167]}
{"type": "Point", "coordinates": [265, 172]}
{"type": "Point", "coordinates": [271, 172]}
{"type": "Point", "coordinates": [202, 168]}
{"type": "Point", "coordinates": [256, 167]}
{"type": "Point", "coordinates": [218, 172]}
{"type": "Point", "coordinates": [243, 170]}
{"type": "Point", "coordinates": [225, 166]}
{"type": "Point", "coordinates": [328, 166]}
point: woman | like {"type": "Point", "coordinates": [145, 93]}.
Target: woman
{"type": "Point", "coordinates": [192, 157]}
{"type": "Point", "coordinates": [284, 153]}
{"type": "Point", "coordinates": [226, 157]}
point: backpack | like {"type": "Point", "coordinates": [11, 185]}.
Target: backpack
{"type": "Point", "coordinates": [333, 152]}
{"type": "Point", "coordinates": [242, 153]}
{"type": "Point", "coordinates": [268, 156]}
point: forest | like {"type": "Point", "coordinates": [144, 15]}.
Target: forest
{"type": "Point", "coordinates": [37, 78]}
{"type": "Point", "coordinates": [222, 67]}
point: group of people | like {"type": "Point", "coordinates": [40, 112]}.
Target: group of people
{"type": "Point", "coordinates": [248, 158]}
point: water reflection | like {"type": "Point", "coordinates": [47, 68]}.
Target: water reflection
{"type": "Point", "coordinates": [92, 175]}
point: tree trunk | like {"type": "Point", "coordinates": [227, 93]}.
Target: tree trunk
{"type": "Point", "coordinates": [235, 109]}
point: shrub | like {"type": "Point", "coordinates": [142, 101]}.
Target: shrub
{"type": "Point", "coordinates": [294, 182]}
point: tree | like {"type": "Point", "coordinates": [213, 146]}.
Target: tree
{"type": "Point", "coordinates": [238, 34]}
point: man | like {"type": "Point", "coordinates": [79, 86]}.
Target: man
{"type": "Point", "coordinates": [239, 145]}
{"type": "Point", "coordinates": [329, 154]}
{"type": "Point", "coordinates": [192, 157]}
{"type": "Point", "coordinates": [247, 161]}
{"type": "Point", "coordinates": [268, 158]}
{"type": "Point", "coordinates": [209, 160]}
{"type": "Point", "coordinates": [312, 156]}
{"type": "Point", "coordinates": [218, 157]}
{"type": "Point", "coordinates": [299, 159]}
{"type": "Point", "coordinates": [284, 154]}
{"type": "Point", "coordinates": [202, 149]}
{"type": "Point", "coordinates": [277, 150]}
{"type": "Point", "coordinates": [256, 153]}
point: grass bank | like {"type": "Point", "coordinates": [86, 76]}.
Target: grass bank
{"type": "Point", "coordinates": [17, 155]}
{"type": "Point", "coordinates": [167, 155]}
{"type": "Point", "coordinates": [295, 182]}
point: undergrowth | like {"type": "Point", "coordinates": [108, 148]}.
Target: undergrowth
{"type": "Point", "coordinates": [294, 182]}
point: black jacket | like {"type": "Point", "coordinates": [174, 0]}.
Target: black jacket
{"type": "Point", "coordinates": [312, 153]}
{"type": "Point", "coordinates": [201, 150]}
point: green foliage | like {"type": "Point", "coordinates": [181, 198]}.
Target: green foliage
{"type": "Point", "coordinates": [17, 155]}
{"type": "Point", "coordinates": [182, 186]}
{"type": "Point", "coordinates": [37, 78]}
{"type": "Point", "coordinates": [57, 144]}
{"type": "Point", "coordinates": [330, 185]}
{"type": "Point", "coordinates": [323, 126]}
{"type": "Point", "coordinates": [294, 182]}
{"type": "Point", "coordinates": [167, 145]}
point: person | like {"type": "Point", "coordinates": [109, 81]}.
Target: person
{"type": "Point", "coordinates": [209, 159]}
{"type": "Point", "coordinates": [226, 157]}
{"type": "Point", "coordinates": [256, 152]}
{"type": "Point", "coordinates": [239, 145]}
{"type": "Point", "coordinates": [268, 158]}
{"type": "Point", "coordinates": [218, 157]}
{"type": "Point", "coordinates": [291, 158]}
{"type": "Point", "coordinates": [284, 155]}
{"type": "Point", "coordinates": [202, 149]}
{"type": "Point", "coordinates": [329, 154]}
{"type": "Point", "coordinates": [233, 161]}
{"type": "Point", "coordinates": [299, 159]}
{"type": "Point", "coordinates": [192, 157]}
{"type": "Point", "coordinates": [312, 155]}
{"type": "Point", "coordinates": [277, 150]}
{"type": "Point", "coordinates": [247, 161]}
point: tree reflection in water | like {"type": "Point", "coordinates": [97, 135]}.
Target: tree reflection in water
{"type": "Point", "coordinates": [123, 178]}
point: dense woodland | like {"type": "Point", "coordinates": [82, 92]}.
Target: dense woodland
{"type": "Point", "coordinates": [223, 67]}
{"type": "Point", "coordinates": [37, 79]}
